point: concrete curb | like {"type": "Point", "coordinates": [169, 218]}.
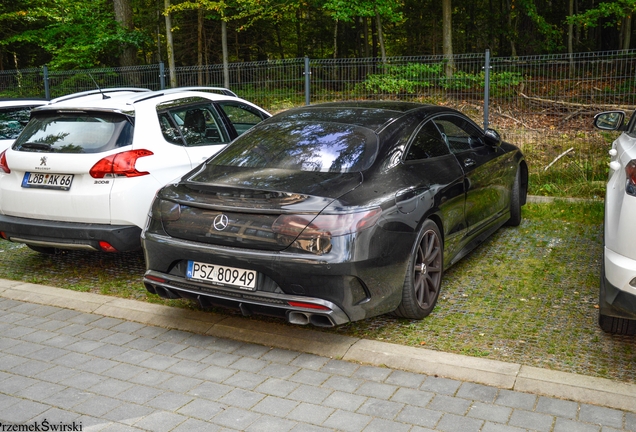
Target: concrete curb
{"type": "Point", "coordinates": [538, 199]}
{"type": "Point", "coordinates": [512, 376]}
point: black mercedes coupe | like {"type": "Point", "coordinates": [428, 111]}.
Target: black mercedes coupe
{"type": "Point", "coordinates": [334, 212]}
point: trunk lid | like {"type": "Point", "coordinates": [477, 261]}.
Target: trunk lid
{"type": "Point", "coordinates": [239, 207]}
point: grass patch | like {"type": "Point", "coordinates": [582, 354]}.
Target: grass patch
{"type": "Point", "coordinates": [527, 295]}
{"type": "Point", "coordinates": [571, 164]}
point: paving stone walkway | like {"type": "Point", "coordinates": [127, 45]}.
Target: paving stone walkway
{"type": "Point", "coordinates": [68, 369]}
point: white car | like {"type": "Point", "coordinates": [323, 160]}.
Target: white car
{"type": "Point", "coordinates": [83, 172]}
{"type": "Point", "coordinates": [14, 115]}
{"type": "Point", "coordinates": [617, 301]}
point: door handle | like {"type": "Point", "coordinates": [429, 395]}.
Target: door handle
{"type": "Point", "coordinates": [468, 162]}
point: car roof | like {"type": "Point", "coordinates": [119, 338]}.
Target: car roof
{"type": "Point", "coordinates": [124, 99]}
{"type": "Point", "coordinates": [11, 103]}
{"type": "Point", "coordinates": [370, 114]}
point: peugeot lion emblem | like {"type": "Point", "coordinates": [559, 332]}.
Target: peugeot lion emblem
{"type": "Point", "coordinates": [43, 161]}
{"type": "Point", "coordinates": [220, 222]}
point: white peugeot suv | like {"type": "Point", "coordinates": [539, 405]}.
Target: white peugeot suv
{"type": "Point", "coordinates": [617, 300]}
{"type": "Point", "coordinates": [83, 172]}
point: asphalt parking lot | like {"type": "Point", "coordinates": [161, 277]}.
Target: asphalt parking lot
{"type": "Point", "coordinates": [527, 295]}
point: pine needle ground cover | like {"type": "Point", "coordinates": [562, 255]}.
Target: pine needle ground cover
{"type": "Point", "coordinates": [527, 295]}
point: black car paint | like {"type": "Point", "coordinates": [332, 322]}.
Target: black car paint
{"type": "Point", "coordinates": [364, 272]}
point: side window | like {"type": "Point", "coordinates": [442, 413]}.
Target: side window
{"type": "Point", "coordinates": [242, 116]}
{"type": "Point", "coordinates": [200, 125]}
{"type": "Point", "coordinates": [191, 124]}
{"type": "Point", "coordinates": [427, 143]}
{"type": "Point", "coordinates": [12, 120]}
{"type": "Point", "coordinates": [460, 134]}
{"type": "Point", "coordinates": [169, 130]}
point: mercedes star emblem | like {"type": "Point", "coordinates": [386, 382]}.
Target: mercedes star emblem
{"type": "Point", "coordinates": [220, 222]}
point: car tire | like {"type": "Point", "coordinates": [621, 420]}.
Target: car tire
{"type": "Point", "coordinates": [424, 274]}
{"type": "Point", "coordinates": [515, 201]}
{"type": "Point", "coordinates": [618, 326]}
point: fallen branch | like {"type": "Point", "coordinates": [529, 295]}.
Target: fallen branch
{"type": "Point", "coordinates": [577, 105]}
{"type": "Point", "coordinates": [558, 157]}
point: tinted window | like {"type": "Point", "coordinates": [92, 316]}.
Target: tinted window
{"type": "Point", "coordinates": [427, 143]}
{"type": "Point", "coordinates": [460, 133]}
{"type": "Point", "coordinates": [242, 116]}
{"type": "Point", "coordinates": [75, 133]}
{"type": "Point", "coordinates": [12, 120]}
{"type": "Point", "coordinates": [303, 146]}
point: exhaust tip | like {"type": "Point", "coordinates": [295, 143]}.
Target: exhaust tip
{"type": "Point", "coordinates": [321, 321]}
{"type": "Point", "coordinates": [298, 318]}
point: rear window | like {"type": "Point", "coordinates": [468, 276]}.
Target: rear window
{"type": "Point", "coordinates": [75, 133]}
{"type": "Point", "coordinates": [302, 146]}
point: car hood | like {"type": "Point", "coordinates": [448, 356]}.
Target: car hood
{"type": "Point", "coordinates": [249, 201]}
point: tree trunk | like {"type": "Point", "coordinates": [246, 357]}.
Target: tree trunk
{"type": "Point", "coordinates": [571, 37]}
{"type": "Point", "coordinates": [378, 22]}
{"type": "Point", "coordinates": [627, 28]}
{"type": "Point", "coordinates": [200, 45]}
{"type": "Point", "coordinates": [447, 37]}
{"type": "Point", "coordinates": [124, 16]}
{"type": "Point", "coordinates": [170, 47]}
{"type": "Point", "coordinates": [280, 43]}
{"type": "Point", "coordinates": [299, 43]}
{"type": "Point", "coordinates": [335, 39]}
{"type": "Point", "coordinates": [226, 69]}
{"type": "Point", "coordinates": [511, 30]}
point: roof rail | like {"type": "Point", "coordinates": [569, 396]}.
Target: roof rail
{"type": "Point", "coordinates": [219, 90]}
{"type": "Point", "coordinates": [97, 91]}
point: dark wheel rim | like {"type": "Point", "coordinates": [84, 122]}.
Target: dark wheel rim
{"type": "Point", "coordinates": [428, 270]}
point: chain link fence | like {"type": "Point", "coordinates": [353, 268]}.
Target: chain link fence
{"type": "Point", "coordinates": [544, 104]}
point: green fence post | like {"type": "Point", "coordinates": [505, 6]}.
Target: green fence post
{"type": "Point", "coordinates": [486, 88]}
{"type": "Point", "coordinates": [47, 90]}
{"type": "Point", "coordinates": [307, 82]}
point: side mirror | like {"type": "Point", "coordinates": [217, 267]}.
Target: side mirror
{"type": "Point", "coordinates": [492, 138]}
{"type": "Point", "coordinates": [610, 120]}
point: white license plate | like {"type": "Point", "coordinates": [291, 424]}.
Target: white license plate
{"type": "Point", "coordinates": [47, 180]}
{"type": "Point", "coordinates": [222, 275]}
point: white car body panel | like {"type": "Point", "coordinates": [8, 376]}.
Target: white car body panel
{"type": "Point", "coordinates": [86, 203]}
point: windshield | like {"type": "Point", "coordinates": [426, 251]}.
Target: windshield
{"type": "Point", "coordinates": [302, 146]}
{"type": "Point", "coordinates": [75, 133]}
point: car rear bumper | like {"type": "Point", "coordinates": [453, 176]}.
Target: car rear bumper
{"type": "Point", "coordinates": [341, 288]}
{"type": "Point", "coordinates": [69, 235]}
{"type": "Point", "coordinates": [263, 303]}
{"type": "Point", "coordinates": [617, 294]}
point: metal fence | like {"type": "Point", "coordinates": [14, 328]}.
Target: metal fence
{"type": "Point", "coordinates": [543, 103]}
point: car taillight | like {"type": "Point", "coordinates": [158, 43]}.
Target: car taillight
{"type": "Point", "coordinates": [3, 162]}
{"type": "Point", "coordinates": [630, 173]}
{"type": "Point", "coordinates": [314, 233]}
{"type": "Point", "coordinates": [120, 164]}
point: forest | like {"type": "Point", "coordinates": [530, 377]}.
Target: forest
{"type": "Point", "coordinates": [76, 34]}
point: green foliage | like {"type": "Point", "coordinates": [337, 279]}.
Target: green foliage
{"type": "Point", "coordinates": [414, 78]}
{"type": "Point", "coordinates": [75, 34]}
{"type": "Point", "coordinates": [617, 9]}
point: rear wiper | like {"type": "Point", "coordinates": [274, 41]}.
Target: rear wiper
{"type": "Point", "coordinates": [36, 146]}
